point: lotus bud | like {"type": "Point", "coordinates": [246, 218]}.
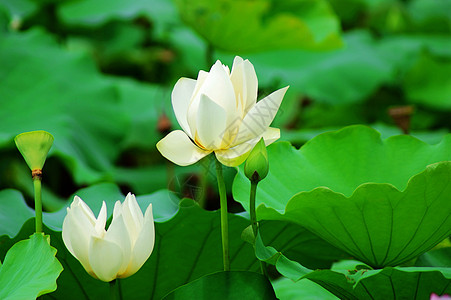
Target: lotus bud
{"type": "Point", "coordinates": [257, 166]}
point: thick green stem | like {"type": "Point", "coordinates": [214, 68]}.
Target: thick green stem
{"type": "Point", "coordinates": [254, 223]}
{"type": "Point", "coordinates": [38, 203]}
{"type": "Point", "coordinates": [115, 290]}
{"type": "Point", "coordinates": [224, 220]}
{"type": "Point", "coordinates": [252, 208]}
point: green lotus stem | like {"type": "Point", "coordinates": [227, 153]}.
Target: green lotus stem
{"type": "Point", "coordinates": [115, 290]}
{"type": "Point", "coordinates": [224, 220]}
{"type": "Point", "coordinates": [254, 223]}
{"type": "Point", "coordinates": [252, 207]}
{"type": "Point", "coordinates": [38, 202]}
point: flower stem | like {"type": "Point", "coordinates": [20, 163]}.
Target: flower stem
{"type": "Point", "coordinates": [252, 207]}
{"type": "Point", "coordinates": [38, 203]}
{"type": "Point", "coordinates": [224, 220]}
{"type": "Point", "coordinates": [115, 290]}
{"type": "Point", "coordinates": [253, 214]}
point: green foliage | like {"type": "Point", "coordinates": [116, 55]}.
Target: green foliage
{"type": "Point", "coordinates": [388, 283]}
{"type": "Point", "coordinates": [372, 205]}
{"type": "Point", "coordinates": [304, 289]}
{"type": "Point", "coordinates": [29, 269]}
{"type": "Point", "coordinates": [378, 224]}
{"type": "Point", "coordinates": [98, 75]}
{"type": "Point", "coordinates": [226, 285]}
{"type": "Point", "coordinates": [304, 24]}
{"type": "Point", "coordinates": [341, 160]}
{"type": "Point", "coordinates": [183, 228]}
{"type": "Point", "coordinates": [428, 82]}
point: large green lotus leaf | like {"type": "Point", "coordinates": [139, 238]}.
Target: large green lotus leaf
{"type": "Point", "coordinates": [428, 82]}
{"type": "Point", "coordinates": [64, 95]}
{"type": "Point", "coordinates": [440, 257]}
{"type": "Point", "coordinates": [301, 24]}
{"type": "Point", "coordinates": [430, 15]}
{"type": "Point", "coordinates": [29, 269]}
{"type": "Point", "coordinates": [226, 285]}
{"type": "Point", "coordinates": [299, 244]}
{"type": "Point", "coordinates": [386, 284]}
{"type": "Point", "coordinates": [378, 224]}
{"type": "Point", "coordinates": [13, 212]}
{"type": "Point", "coordinates": [340, 160]}
{"type": "Point", "coordinates": [143, 104]}
{"type": "Point", "coordinates": [302, 136]}
{"type": "Point", "coordinates": [94, 13]}
{"type": "Point", "coordinates": [304, 289]}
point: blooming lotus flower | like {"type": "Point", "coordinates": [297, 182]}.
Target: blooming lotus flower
{"type": "Point", "coordinates": [118, 252]}
{"type": "Point", "coordinates": [219, 113]}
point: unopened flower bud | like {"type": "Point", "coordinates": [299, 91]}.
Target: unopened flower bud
{"type": "Point", "coordinates": [256, 167]}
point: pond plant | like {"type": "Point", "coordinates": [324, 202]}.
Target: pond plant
{"type": "Point", "coordinates": [318, 166]}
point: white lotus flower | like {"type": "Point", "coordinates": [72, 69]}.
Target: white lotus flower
{"type": "Point", "coordinates": [219, 113]}
{"type": "Point", "coordinates": [118, 252]}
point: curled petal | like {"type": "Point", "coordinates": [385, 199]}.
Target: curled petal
{"type": "Point", "coordinates": [118, 234]}
{"type": "Point", "coordinates": [245, 83]}
{"type": "Point", "coordinates": [260, 116]}
{"type": "Point", "coordinates": [179, 149]}
{"type": "Point", "coordinates": [106, 258]}
{"type": "Point", "coordinates": [211, 123]}
{"type": "Point", "coordinates": [144, 244]}
{"type": "Point", "coordinates": [235, 156]}
{"type": "Point", "coordinates": [76, 237]}
{"type": "Point", "coordinates": [133, 216]}
{"type": "Point", "coordinates": [181, 96]}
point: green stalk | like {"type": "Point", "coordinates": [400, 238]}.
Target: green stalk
{"type": "Point", "coordinates": [224, 220]}
{"type": "Point", "coordinates": [114, 290]}
{"type": "Point", "coordinates": [38, 202]}
{"type": "Point", "coordinates": [254, 223]}
{"type": "Point", "coordinates": [252, 207]}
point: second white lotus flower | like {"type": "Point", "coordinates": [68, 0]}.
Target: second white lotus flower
{"type": "Point", "coordinates": [118, 252]}
{"type": "Point", "coordinates": [219, 113]}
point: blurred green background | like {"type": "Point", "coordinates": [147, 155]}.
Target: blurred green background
{"type": "Point", "coordinates": [98, 75]}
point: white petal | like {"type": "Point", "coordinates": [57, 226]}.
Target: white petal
{"type": "Point", "coordinates": [179, 149]}
{"type": "Point", "coordinates": [133, 217]}
{"type": "Point", "coordinates": [235, 156]}
{"type": "Point", "coordinates": [106, 258]}
{"type": "Point", "coordinates": [218, 87]}
{"type": "Point", "coordinates": [119, 235]}
{"type": "Point", "coordinates": [101, 220]}
{"type": "Point", "coordinates": [260, 116]}
{"type": "Point", "coordinates": [251, 85]}
{"type": "Point", "coordinates": [117, 211]}
{"type": "Point", "coordinates": [181, 96]}
{"type": "Point", "coordinates": [76, 237]}
{"type": "Point", "coordinates": [211, 123]}
{"type": "Point", "coordinates": [144, 245]}
{"type": "Point", "coordinates": [202, 75]}
{"type": "Point", "coordinates": [245, 83]}
{"type": "Point", "coordinates": [85, 208]}
{"type": "Point", "coordinates": [238, 81]}
{"type": "Point", "coordinates": [270, 135]}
